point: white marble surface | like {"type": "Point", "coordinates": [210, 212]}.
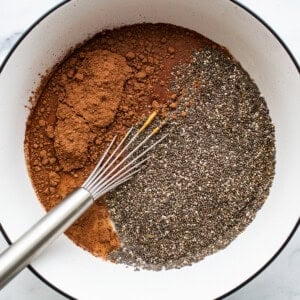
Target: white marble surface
{"type": "Point", "coordinates": [281, 280]}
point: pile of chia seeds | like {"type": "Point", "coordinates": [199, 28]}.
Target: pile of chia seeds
{"type": "Point", "coordinates": [205, 182]}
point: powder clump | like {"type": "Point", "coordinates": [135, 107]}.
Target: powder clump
{"type": "Point", "coordinates": [88, 105]}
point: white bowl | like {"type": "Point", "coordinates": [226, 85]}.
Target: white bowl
{"type": "Point", "coordinates": [74, 271]}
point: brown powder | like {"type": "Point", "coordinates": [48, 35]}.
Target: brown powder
{"type": "Point", "coordinates": [100, 90]}
{"type": "Point", "coordinates": [90, 103]}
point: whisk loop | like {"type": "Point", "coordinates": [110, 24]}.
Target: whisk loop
{"type": "Point", "coordinates": [114, 169]}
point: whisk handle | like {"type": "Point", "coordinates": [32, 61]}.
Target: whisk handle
{"type": "Point", "coordinates": [16, 257]}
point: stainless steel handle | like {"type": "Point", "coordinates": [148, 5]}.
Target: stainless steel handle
{"type": "Point", "coordinates": [16, 257]}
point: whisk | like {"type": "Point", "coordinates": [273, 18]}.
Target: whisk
{"type": "Point", "coordinates": [114, 168]}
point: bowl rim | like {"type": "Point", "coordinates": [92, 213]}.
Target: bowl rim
{"type": "Point", "coordinates": [292, 57]}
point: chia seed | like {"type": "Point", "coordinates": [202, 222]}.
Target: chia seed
{"type": "Point", "coordinates": [205, 182]}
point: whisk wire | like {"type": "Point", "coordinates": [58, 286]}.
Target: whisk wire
{"type": "Point", "coordinates": [102, 182]}
{"type": "Point", "coordinates": [116, 175]}
{"type": "Point", "coordinates": [100, 172]}
{"type": "Point", "coordinates": [142, 128]}
{"type": "Point", "coordinates": [114, 168]}
{"type": "Point", "coordinates": [102, 178]}
{"type": "Point", "coordinates": [116, 183]}
{"type": "Point", "coordinates": [117, 156]}
{"type": "Point", "coordinates": [96, 170]}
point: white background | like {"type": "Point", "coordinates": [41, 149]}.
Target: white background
{"type": "Point", "coordinates": [281, 280]}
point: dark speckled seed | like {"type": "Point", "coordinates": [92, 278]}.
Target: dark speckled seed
{"type": "Point", "coordinates": [206, 181]}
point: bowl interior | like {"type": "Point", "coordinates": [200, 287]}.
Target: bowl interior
{"type": "Point", "coordinates": [77, 272]}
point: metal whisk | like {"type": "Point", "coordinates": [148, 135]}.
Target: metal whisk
{"type": "Point", "coordinates": [111, 171]}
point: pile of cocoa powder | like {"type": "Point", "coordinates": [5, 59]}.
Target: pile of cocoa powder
{"type": "Point", "coordinates": [101, 89]}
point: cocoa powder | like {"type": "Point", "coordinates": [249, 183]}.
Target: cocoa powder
{"type": "Point", "coordinates": [90, 104]}
{"type": "Point", "coordinates": [101, 89]}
